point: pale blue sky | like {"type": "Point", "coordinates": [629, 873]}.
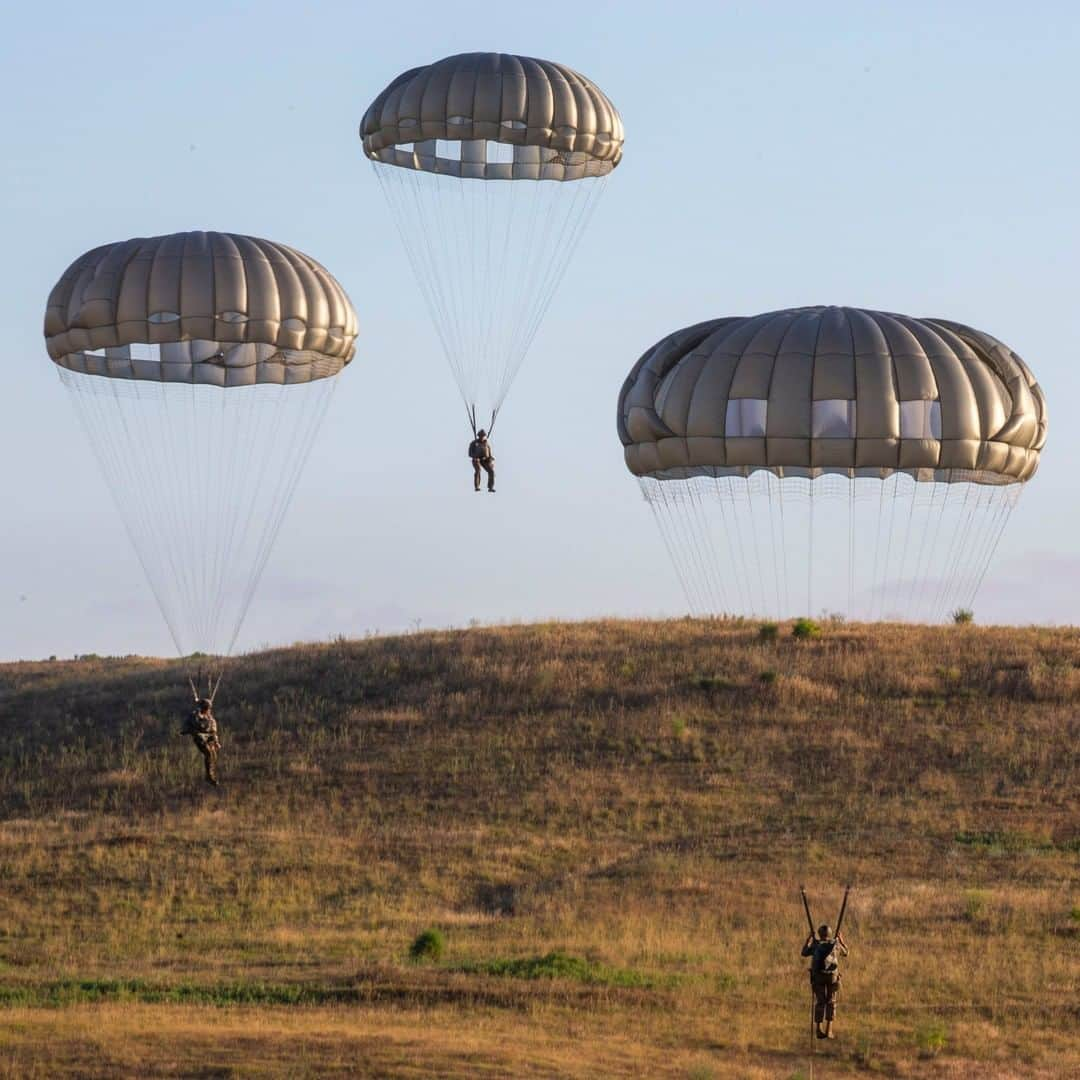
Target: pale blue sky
{"type": "Point", "coordinates": [918, 157]}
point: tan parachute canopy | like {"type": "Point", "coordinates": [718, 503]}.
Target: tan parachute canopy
{"type": "Point", "coordinates": [200, 367]}
{"type": "Point", "coordinates": [814, 390]}
{"type": "Point", "coordinates": [215, 308]}
{"type": "Point", "coordinates": [440, 118]}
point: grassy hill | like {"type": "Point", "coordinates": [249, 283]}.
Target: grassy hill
{"type": "Point", "coordinates": [607, 822]}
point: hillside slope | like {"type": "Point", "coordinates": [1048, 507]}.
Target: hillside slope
{"type": "Point", "coordinates": [640, 799]}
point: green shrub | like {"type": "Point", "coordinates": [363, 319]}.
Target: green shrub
{"type": "Point", "coordinates": [931, 1038]}
{"type": "Point", "coordinates": [962, 615]}
{"type": "Point", "coordinates": [767, 678]}
{"type": "Point", "coordinates": [975, 905]}
{"type": "Point", "coordinates": [429, 945]}
{"type": "Point", "coordinates": [768, 631]}
{"type": "Point", "coordinates": [804, 629]}
{"type": "Point", "coordinates": [1075, 913]}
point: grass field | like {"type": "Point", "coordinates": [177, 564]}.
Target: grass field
{"type": "Point", "coordinates": [608, 823]}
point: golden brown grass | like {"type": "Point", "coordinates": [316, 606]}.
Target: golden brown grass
{"type": "Point", "coordinates": [642, 797]}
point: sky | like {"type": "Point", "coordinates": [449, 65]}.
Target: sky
{"type": "Point", "coordinates": [916, 157]}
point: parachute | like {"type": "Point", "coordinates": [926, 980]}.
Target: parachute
{"type": "Point", "coordinates": [831, 458]}
{"type": "Point", "coordinates": [201, 365]}
{"type": "Point", "coordinates": [492, 165]}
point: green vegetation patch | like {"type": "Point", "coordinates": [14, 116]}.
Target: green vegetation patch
{"type": "Point", "coordinates": [931, 1038]}
{"type": "Point", "coordinates": [561, 965]}
{"type": "Point", "coordinates": [805, 630]}
{"type": "Point", "coordinates": [1003, 842]}
{"type": "Point", "coordinates": [92, 991]}
{"type": "Point", "coordinates": [429, 945]}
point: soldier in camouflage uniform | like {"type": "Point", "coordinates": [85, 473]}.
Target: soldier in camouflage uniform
{"type": "Point", "coordinates": [202, 727]}
{"type": "Point", "coordinates": [825, 953]}
{"type": "Point", "coordinates": [481, 455]}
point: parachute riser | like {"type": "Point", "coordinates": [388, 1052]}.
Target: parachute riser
{"type": "Point", "coordinates": [843, 908]}
{"type": "Point", "coordinates": [806, 908]}
{"type": "Point", "coordinates": [839, 918]}
{"type": "Point", "coordinates": [471, 412]}
{"type": "Point", "coordinates": [212, 685]}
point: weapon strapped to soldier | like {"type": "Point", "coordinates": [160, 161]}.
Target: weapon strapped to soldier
{"type": "Point", "coordinates": [825, 948]}
{"type": "Point", "coordinates": [201, 725]}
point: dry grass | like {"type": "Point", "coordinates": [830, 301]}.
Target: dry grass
{"type": "Point", "coordinates": [642, 797]}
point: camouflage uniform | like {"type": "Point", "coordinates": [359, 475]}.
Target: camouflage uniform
{"type": "Point", "coordinates": [825, 953]}
{"type": "Point", "coordinates": [202, 727]}
{"type": "Point", "coordinates": [482, 458]}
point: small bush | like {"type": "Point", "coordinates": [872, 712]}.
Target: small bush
{"type": "Point", "coordinates": [931, 1038]}
{"type": "Point", "coordinates": [1075, 913]}
{"type": "Point", "coordinates": [429, 945]}
{"type": "Point", "coordinates": [768, 631]}
{"type": "Point", "coordinates": [962, 616]}
{"type": "Point", "coordinates": [805, 629]}
{"type": "Point", "coordinates": [975, 905]}
{"type": "Point", "coordinates": [767, 678]}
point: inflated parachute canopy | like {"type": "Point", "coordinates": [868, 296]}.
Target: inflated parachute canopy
{"type": "Point", "coordinates": [814, 390]}
{"type": "Point", "coordinates": [200, 307]}
{"type": "Point", "coordinates": [451, 116]}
